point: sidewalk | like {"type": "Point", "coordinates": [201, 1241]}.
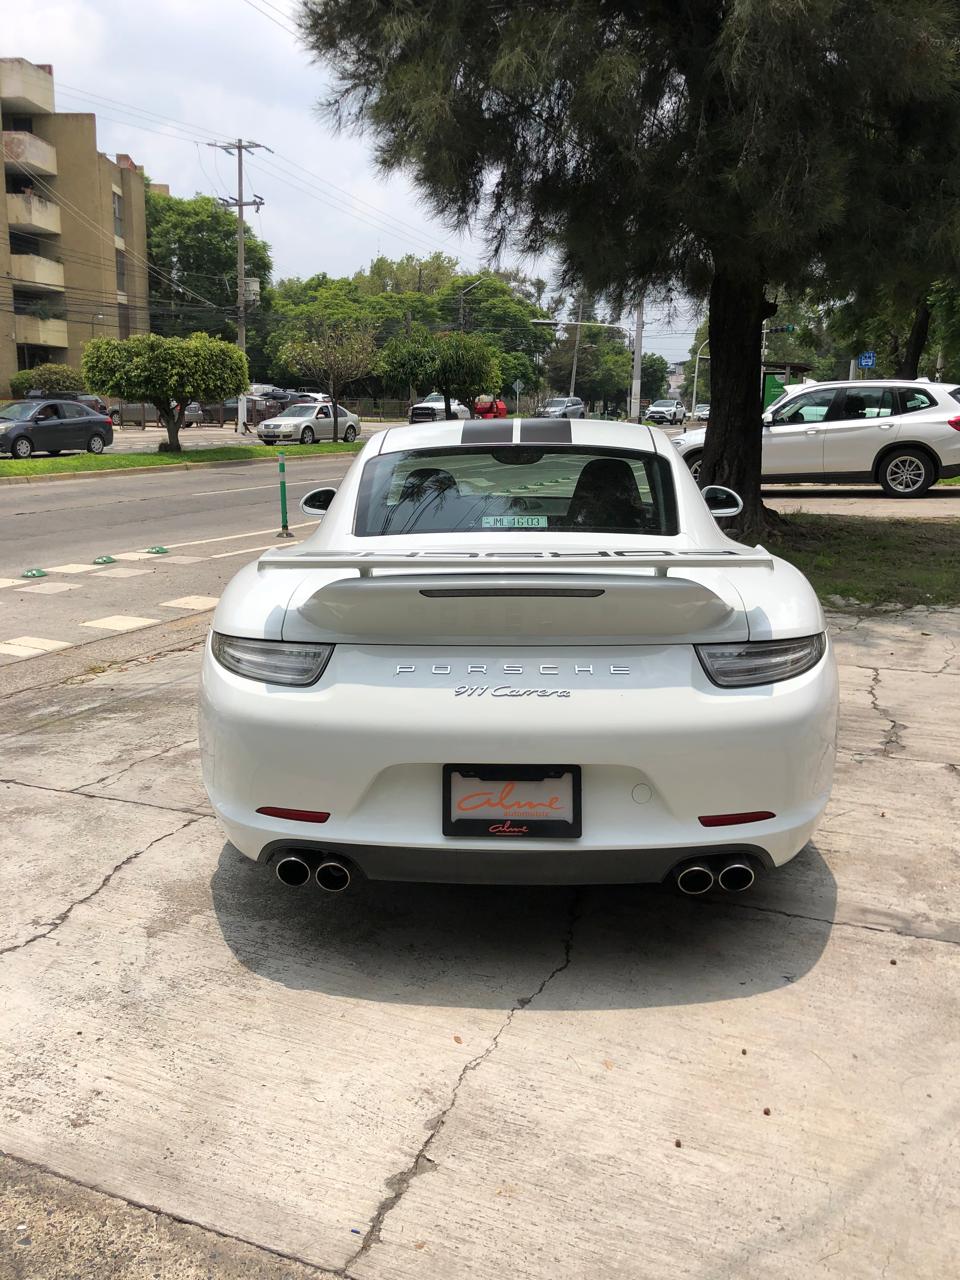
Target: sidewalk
{"type": "Point", "coordinates": [454, 1083]}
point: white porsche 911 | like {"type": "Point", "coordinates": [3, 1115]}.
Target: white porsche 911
{"type": "Point", "coordinates": [519, 652]}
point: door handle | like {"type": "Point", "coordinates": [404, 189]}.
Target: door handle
{"type": "Point", "coordinates": [885, 426]}
{"type": "Point", "coordinates": [813, 432]}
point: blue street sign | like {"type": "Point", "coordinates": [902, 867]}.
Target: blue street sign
{"type": "Point", "coordinates": [867, 360]}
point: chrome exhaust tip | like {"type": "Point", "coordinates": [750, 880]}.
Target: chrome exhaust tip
{"type": "Point", "coordinates": [694, 878]}
{"type": "Point", "coordinates": [734, 877]}
{"type": "Point", "coordinates": [293, 871]}
{"type": "Point", "coordinates": [333, 877]}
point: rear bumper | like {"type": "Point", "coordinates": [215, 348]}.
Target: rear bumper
{"type": "Point", "coordinates": [656, 751]}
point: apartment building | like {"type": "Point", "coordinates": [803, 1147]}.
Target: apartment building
{"type": "Point", "coordinates": [72, 229]}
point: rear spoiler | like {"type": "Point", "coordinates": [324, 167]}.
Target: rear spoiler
{"type": "Point", "coordinates": [660, 561]}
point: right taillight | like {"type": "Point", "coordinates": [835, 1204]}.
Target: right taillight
{"type": "Point", "coordinates": [760, 662]}
{"type": "Point", "coordinates": [954, 422]}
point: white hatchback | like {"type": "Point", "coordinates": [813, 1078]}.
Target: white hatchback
{"type": "Point", "coordinates": [902, 435]}
{"type": "Point", "coordinates": [519, 652]}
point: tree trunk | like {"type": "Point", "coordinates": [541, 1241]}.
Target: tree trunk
{"type": "Point", "coordinates": [731, 454]}
{"type": "Point", "coordinates": [910, 361]}
{"type": "Point", "coordinates": [447, 408]}
{"type": "Point", "coordinates": [334, 396]}
{"type": "Point", "coordinates": [172, 419]}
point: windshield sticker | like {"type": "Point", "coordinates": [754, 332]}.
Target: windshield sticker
{"type": "Point", "coordinates": [514, 522]}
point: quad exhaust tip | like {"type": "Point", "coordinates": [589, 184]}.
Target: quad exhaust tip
{"type": "Point", "coordinates": [695, 878]}
{"type": "Point", "coordinates": [293, 871]}
{"type": "Point", "coordinates": [734, 877]}
{"type": "Point", "coordinates": [333, 877]}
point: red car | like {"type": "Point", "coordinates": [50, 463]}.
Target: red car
{"type": "Point", "coordinates": [489, 407]}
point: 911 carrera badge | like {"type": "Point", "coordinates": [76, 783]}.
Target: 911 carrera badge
{"type": "Point", "coordinates": [507, 691]}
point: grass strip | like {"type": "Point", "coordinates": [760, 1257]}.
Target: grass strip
{"type": "Point", "coordinates": [857, 559]}
{"type": "Point", "coordinates": [86, 462]}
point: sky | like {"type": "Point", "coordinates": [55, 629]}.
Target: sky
{"type": "Point", "coordinates": [167, 77]}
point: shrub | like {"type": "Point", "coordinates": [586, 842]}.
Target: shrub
{"type": "Point", "coordinates": [47, 377]}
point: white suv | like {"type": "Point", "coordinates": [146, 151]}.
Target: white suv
{"type": "Point", "coordinates": [667, 413]}
{"type": "Point", "coordinates": [901, 434]}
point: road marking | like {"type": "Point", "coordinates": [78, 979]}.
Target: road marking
{"type": "Point", "coordinates": [190, 602]}
{"type": "Point", "coordinates": [133, 555]}
{"type": "Point", "coordinates": [38, 644]}
{"type": "Point", "coordinates": [182, 559]}
{"type": "Point", "coordinates": [210, 493]}
{"type": "Point", "coordinates": [49, 588]}
{"type": "Point", "coordinates": [232, 537]}
{"type": "Point", "coordinates": [120, 622]}
{"type": "Point", "coordinates": [245, 551]}
{"type": "Point", "coordinates": [73, 568]}
{"type": "Point", "coordinates": [19, 650]}
{"type": "Point", "coordinates": [10, 582]}
{"type": "Point", "coordinates": [121, 571]}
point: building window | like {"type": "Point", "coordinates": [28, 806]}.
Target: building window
{"type": "Point", "coordinates": [20, 124]}
{"type": "Point", "coordinates": [123, 320]}
{"type": "Point", "coordinates": [117, 214]}
{"type": "Point", "coordinates": [121, 271]}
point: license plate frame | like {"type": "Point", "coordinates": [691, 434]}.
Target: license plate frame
{"type": "Point", "coordinates": [517, 826]}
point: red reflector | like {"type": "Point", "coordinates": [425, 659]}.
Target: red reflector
{"type": "Point", "coordinates": [734, 819]}
{"type": "Point", "coordinates": [294, 815]}
{"type": "Point", "coordinates": [954, 422]}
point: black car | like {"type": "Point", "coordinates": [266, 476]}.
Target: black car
{"type": "Point", "coordinates": [52, 426]}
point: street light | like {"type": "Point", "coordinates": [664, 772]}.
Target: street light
{"type": "Point", "coordinates": [696, 372]}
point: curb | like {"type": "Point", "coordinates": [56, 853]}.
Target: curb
{"type": "Point", "coordinates": [163, 468]}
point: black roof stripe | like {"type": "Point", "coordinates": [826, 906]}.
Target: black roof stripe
{"type": "Point", "coordinates": [546, 431]}
{"type": "Point", "coordinates": [484, 432]}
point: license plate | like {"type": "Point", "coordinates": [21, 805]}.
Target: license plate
{"type": "Point", "coordinates": [512, 802]}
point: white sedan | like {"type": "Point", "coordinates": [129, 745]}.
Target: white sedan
{"type": "Point", "coordinates": [901, 435]}
{"type": "Point", "coordinates": [309, 422]}
{"type": "Point", "coordinates": [519, 652]}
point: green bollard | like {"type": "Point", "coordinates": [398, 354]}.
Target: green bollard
{"type": "Point", "coordinates": [284, 526]}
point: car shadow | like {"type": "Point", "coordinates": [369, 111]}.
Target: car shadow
{"type": "Point", "coordinates": [772, 490]}
{"type": "Point", "coordinates": [492, 947]}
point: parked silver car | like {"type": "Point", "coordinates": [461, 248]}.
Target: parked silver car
{"type": "Point", "coordinates": [308, 422]}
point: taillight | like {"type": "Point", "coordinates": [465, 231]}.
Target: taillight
{"type": "Point", "coordinates": [954, 422]}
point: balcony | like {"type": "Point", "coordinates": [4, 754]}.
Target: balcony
{"type": "Point", "coordinates": [34, 332]}
{"type": "Point", "coordinates": [24, 88]}
{"type": "Point", "coordinates": [32, 216]}
{"type": "Point", "coordinates": [32, 273]}
{"type": "Point", "coordinates": [25, 153]}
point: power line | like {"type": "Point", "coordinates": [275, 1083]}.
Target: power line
{"type": "Point", "coordinates": [276, 22]}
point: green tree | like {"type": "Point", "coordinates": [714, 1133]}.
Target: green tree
{"type": "Point", "coordinates": [47, 377]}
{"type": "Point", "coordinates": [334, 356]}
{"type": "Point", "coordinates": [754, 145]}
{"type": "Point", "coordinates": [467, 365]}
{"type": "Point", "coordinates": [407, 363]}
{"type": "Point", "coordinates": [408, 274]}
{"type": "Point", "coordinates": [165, 372]}
{"type": "Point", "coordinates": [192, 252]}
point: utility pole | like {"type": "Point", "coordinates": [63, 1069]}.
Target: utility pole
{"type": "Point", "coordinates": [240, 146]}
{"type": "Point", "coordinates": [636, 384]}
{"type": "Point", "coordinates": [576, 346]}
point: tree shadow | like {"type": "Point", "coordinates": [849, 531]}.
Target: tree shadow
{"type": "Point", "coordinates": [465, 946]}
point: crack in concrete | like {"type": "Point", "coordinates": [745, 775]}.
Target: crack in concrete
{"type": "Point", "coordinates": [421, 1163]}
{"type": "Point", "coordinates": [86, 795]}
{"type": "Point", "coordinates": [836, 924]}
{"type": "Point", "coordinates": [118, 774]}
{"type": "Point", "coordinates": [320, 1271]}
{"type": "Point", "coordinates": [892, 741]}
{"type": "Point", "coordinates": [54, 924]}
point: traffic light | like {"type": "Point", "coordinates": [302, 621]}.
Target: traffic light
{"type": "Point", "coordinates": [783, 328]}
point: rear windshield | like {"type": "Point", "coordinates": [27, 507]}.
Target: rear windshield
{"type": "Point", "coordinates": [514, 489]}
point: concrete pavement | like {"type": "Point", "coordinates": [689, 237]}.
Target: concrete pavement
{"type": "Point", "coordinates": [457, 1083]}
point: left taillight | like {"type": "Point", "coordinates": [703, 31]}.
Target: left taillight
{"type": "Point", "coordinates": [272, 661]}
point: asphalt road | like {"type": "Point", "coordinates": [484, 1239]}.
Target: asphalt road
{"type": "Point", "coordinates": [212, 521]}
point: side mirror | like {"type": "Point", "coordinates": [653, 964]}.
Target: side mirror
{"type": "Point", "coordinates": [767, 418]}
{"type": "Point", "coordinates": [316, 502]}
{"type": "Point", "coordinates": [720, 500]}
